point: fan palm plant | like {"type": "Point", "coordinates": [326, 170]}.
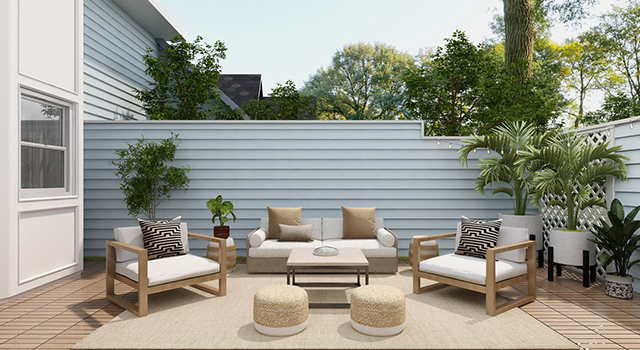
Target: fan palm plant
{"type": "Point", "coordinates": [506, 141]}
{"type": "Point", "coordinates": [572, 167]}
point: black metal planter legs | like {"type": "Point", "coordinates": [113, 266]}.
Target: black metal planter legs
{"type": "Point", "coordinates": [588, 272]}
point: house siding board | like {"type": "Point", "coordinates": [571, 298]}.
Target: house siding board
{"type": "Point", "coordinates": [417, 186]}
{"type": "Point", "coordinates": [113, 48]}
{"type": "Point", "coordinates": [628, 192]}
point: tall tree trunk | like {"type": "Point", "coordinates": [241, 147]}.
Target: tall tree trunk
{"type": "Point", "coordinates": [519, 35]}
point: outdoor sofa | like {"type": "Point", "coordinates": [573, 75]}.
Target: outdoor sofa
{"type": "Point", "coordinates": [270, 255]}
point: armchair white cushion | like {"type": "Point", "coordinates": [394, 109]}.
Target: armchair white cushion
{"type": "Point", "coordinates": [169, 269]}
{"type": "Point", "coordinates": [133, 235]}
{"type": "Point", "coordinates": [507, 235]}
{"type": "Point", "coordinates": [470, 269]}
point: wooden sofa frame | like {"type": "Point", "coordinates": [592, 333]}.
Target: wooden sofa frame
{"type": "Point", "coordinates": [279, 265]}
{"type": "Point", "coordinates": [491, 286]}
{"type": "Point", "coordinates": [141, 285]}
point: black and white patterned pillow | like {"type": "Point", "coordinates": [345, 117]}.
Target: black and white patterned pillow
{"type": "Point", "coordinates": [478, 236]}
{"type": "Point", "coordinates": [162, 239]}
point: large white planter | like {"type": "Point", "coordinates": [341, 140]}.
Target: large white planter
{"type": "Point", "coordinates": [533, 222]}
{"type": "Point", "coordinates": [569, 245]}
{"type": "Point", "coordinates": [619, 287]}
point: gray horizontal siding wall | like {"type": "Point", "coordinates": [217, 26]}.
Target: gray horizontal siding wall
{"type": "Point", "coordinates": [114, 44]}
{"type": "Point", "coordinates": [628, 192]}
{"type": "Point", "coordinates": [418, 186]}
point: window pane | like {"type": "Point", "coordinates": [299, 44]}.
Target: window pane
{"type": "Point", "coordinates": [41, 123]}
{"type": "Point", "coordinates": [42, 168]}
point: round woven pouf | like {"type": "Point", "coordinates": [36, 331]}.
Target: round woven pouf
{"type": "Point", "coordinates": [280, 310]}
{"type": "Point", "coordinates": [378, 310]}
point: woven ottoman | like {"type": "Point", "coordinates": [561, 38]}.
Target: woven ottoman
{"type": "Point", "coordinates": [378, 310]}
{"type": "Point", "coordinates": [280, 310]}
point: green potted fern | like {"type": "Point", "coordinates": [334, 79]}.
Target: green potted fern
{"type": "Point", "coordinates": [502, 172]}
{"type": "Point", "coordinates": [571, 167]}
{"type": "Point", "coordinates": [617, 239]}
{"type": "Point", "coordinates": [220, 209]}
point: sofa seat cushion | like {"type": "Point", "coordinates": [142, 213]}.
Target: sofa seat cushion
{"type": "Point", "coordinates": [371, 248]}
{"type": "Point", "coordinates": [272, 248]}
{"type": "Point", "coordinates": [175, 268]}
{"type": "Point", "coordinates": [471, 269]}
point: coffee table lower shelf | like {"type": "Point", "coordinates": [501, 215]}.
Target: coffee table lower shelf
{"type": "Point", "coordinates": [291, 279]}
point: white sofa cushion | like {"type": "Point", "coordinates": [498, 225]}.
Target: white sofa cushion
{"type": "Point", "coordinates": [471, 269]}
{"type": "Point", "coordinates": [164, 270]}
{"type": "Point", "coordinates": [257, 238]}
{"type": "Point", "coordinates": [271, 248]}
{"type": "Point", "coordinates": [506, 236]}
{"type": "Point", "coordinates": [316, 233]}
{"type": "Point", "coordinates": [371, 248]}
{"type": "Point", "coordinates": [386, 238]}
{"type": "Point", "coordinates": [133, 235]}
{"type": "Point", "coordinates": [333, 227]}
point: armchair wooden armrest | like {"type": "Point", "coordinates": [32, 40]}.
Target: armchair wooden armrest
{"type": "Point", "coordinates": [418, 239]}
{"type": "Point", "coordinates": [505, 248]}
{"type": "Point", "coordinates": [220, 241]}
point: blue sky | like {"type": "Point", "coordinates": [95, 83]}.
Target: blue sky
{"type": "Point", "coordinates": [291, 39]}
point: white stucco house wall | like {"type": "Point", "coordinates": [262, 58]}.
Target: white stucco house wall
{"type": "Point", "coordinates": [61, 62]}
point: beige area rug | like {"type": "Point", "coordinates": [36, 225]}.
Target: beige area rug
{"type": "Point", "coordinates": [448, 318]}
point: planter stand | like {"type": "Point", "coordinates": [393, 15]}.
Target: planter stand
{"type": "Point", "coordinates": [586, 269]}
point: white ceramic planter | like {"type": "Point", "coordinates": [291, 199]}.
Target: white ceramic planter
{"type": "Point", "coordinates": [533, 222]}
{"type": "Point", "coordinates": [619, 287]}
{"type": "Point", "coordinates": [568, 247]}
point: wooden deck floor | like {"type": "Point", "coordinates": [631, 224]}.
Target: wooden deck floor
{"type": "Point", "coordinates": [59, 315]}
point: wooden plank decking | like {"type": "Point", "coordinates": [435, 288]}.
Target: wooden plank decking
{"type": "Point", "coordinates": [61, 314]}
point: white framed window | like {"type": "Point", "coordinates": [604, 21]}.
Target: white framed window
{"type": "Point", "coordinates": [45, 146]}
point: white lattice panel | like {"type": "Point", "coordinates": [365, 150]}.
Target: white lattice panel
{"type": "Point", "coordinates": [554, 217]}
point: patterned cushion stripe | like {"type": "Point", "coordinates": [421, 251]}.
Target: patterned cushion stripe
{"type": "Point", "coordinates": [477, 236]}
{"type": "Point", "coordinates": [162, 239]}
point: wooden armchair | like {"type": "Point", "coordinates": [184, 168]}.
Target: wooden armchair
{"type": "Point", "coordinates": [163, 274]}
{"type": "Point", "coordinates": [480, 275]}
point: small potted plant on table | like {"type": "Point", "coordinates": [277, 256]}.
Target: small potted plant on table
{"type": "Point", "coordinates": [221, 209]}
{"type": "Point", "coordinates": [619, 244]}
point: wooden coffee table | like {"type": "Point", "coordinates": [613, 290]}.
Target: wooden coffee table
{"type": "Point", "coordinates": [347, 259]}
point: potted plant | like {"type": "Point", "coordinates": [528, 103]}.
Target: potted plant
{"type": "Point", "coordinates": [221, 209]}
{"type": "Point", "coordinates": [619, 244]}
{"type": "Point", "coordinates": [502, 170]}
{"type": "Point", "coordinates": [571, 167]}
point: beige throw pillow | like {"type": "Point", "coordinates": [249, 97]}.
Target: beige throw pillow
{"type": "Point", "coordinates": [300, 233]}
{"type": "Point", "coordinates": [286, 216]}
{"type": "Point", "coordinates": [359, 222]}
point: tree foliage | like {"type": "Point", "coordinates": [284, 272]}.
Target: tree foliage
{"type": "Point", "coordinates": [284, 103]}
{"type": "Point", "coordinates": [447, 89]}
{"type": "Point", "coordinates": [463, 89]}
{"type": "Point", "coordinates": [363, 81]}
{"type": "Point", "coordinates": [184, 79]}
{"type": "Point", "coordinates": [147, 179]}
{"type": "Point", "coordinates": [585, 65]}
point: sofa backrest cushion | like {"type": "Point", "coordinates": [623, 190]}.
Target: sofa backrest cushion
{"type": "Point", "coordinates": [133, 235]}
{"type": "Point", "coordinates": [286, 216]}
{"type": "Point", "coordinates": [316, 222]}
{"type": "Point", "coordinates": [507, 235]}
{"type": "Point", "coordinates": [333, 227]}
